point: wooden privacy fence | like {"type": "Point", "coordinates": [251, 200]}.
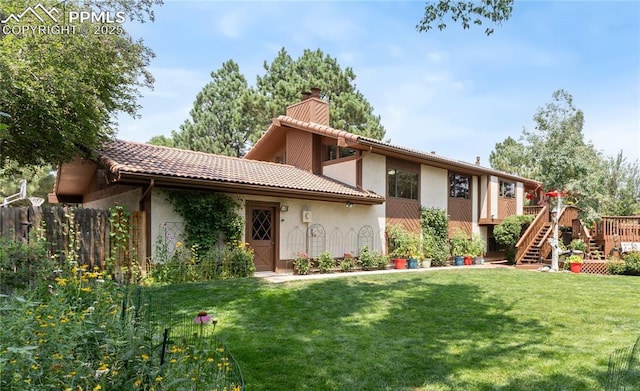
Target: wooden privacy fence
{"type": "Point", "coordinates": [77, 233]}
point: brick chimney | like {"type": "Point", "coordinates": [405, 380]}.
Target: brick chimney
{"type": "Point", "coordinates": [311, 109]}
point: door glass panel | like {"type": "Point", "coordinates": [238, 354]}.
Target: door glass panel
{"type": "Point", "coordinates": [261, 224]}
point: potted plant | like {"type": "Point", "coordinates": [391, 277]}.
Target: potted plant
{"type": "Point", "coordinates": [441, 253]}
{"type": "Point", "coordinates": [429, 249]}
{"type": "Point", "coordinates": [459, 247]}
{"type": "Point", "coordinates": [575, 263]}
{"type": "Point", "coordinates": [413, 255]}
{"type": "Point", "coordinates": [477, 247]}
{"type": "Point", "coordinates": [405, 246]}
{"type": "Point", "coordinates": [578, 245]}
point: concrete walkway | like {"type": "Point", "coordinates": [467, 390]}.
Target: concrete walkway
{"type": "Point", "coordinates": [289, 276]}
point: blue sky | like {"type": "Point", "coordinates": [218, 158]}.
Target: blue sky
{"type": "Point", "coordinates": [456, 92]}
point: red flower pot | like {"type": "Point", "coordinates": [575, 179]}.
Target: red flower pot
{"type": "Point", "coordinates": [468, 261]}
{"type": "Point", "coordinates": [575, 267]}
{"type": "Point", "coordinates": [400, 263]}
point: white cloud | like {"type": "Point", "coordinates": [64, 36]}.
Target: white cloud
{"type": "Point", "coordinates": [233, 23]}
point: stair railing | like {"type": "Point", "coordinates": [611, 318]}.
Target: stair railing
{"type": "Point", "coordinates": [530, 234]}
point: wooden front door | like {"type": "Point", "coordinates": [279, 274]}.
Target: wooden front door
{"type": "Point", "coordinates": [261, 235]}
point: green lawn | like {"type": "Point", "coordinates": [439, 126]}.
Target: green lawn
{"type": "Point", "coordinates": [463, 329]}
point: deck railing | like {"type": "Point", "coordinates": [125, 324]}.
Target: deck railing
{"type": "Point", "coordinates": [530, 234]}
{"type": "Point", "coordinates": [532, 210]}
{"type": "Point", "coordinates": [611, 231]}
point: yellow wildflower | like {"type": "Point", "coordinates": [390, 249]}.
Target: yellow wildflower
{"type": "Point", "coordinates": [145, 357]}
{"type": "Point", "coordinates": [61, 281]}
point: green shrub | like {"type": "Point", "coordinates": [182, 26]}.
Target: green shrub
{"type": "Point", "coordinates": [325, 262]}
{"type": "Point", "coordinates": [346, 264]}
{"type": "Point", "coordinates": [616, 267]}
{"type": "Point", "coordinates": [628, 265]}
{"type": "Point", "coordinates": [509, 231]}
{"type": "Point", "coordinates": [302, 263]}
{"type": "Point", "coordinates": [367, 259]}
{"type": "Point", "coordinates": [441, 253]}
{"type": "Point", "coordinates": [238, 260]}
{"type": "Point", "coordinates": [632, 263]}
{"type": "Point", "coordinates": [187, 265]}
{"type": "Point", "coordinates": [435, 222]}
{"type": "Point", "coordinates": [380, 260]}
{"type": "Point", "coordinates": [23, 264]}
{"type": "Point", "coordinates": [403, 243]}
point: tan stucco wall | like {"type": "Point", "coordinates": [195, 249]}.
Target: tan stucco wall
{"type": "Point", "coordinates": [344, 172]}
{"type": "Point", "coordinates": [336, 219]}
{"type": "Point", "coordinates": [495, 193]}
{"type": "Point", "coordinates": [519, 198]}
{"type": "Point", "coordinates": [475, 186]}
{"type": "Point", "coordinates": [434, 187]}
{"type": "Point", "coordinates": [482, 193]}
{"type": "Point", "coordinates": [374, 178]}
{"type": "Point", "coordinates": [162, 212]}
{"type": "Point", "coordinates": [129, 199]}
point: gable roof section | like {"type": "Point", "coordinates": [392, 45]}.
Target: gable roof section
{"type": "Point", "coordinates": [170, 166]}
{"type": "Point", "coordinates": [380, 147]}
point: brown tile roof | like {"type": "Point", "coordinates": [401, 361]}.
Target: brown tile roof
{"type": "Point", "coordinates": [382, 146]}
{"type": "Point", "coordinates": [124, 157]}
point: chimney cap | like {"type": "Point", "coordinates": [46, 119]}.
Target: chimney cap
{"type": "Point", "coordinates": [315, 92]}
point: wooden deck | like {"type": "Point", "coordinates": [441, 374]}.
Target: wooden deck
{"type": "Point", "coordinates": [612, 232]}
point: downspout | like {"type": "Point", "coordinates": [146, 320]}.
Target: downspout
{"type": "Point", "coordinates": [147, 224]}
{"type": "Point", "coordinates": [359, 163]}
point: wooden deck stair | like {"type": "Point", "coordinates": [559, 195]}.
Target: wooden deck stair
{"type": "Point", "coordinates": [533, 252]}
{"type": "Point", "coordinates": [594, 250]}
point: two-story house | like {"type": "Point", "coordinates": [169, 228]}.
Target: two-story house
{"type": "Point", "coordinates": [304, 186]}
